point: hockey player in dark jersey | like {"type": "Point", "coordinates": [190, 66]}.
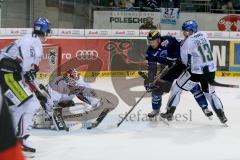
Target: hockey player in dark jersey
{"type": "Point", "coordinates": [165, 51]}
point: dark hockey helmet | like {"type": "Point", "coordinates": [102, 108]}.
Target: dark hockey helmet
{"type": "Point", "coordinates": [153, 34]}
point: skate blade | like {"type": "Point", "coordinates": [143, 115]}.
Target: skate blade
{"type": "Point", "coordinates": [225, 125]}
{"type": "Point", "coordinates": [164, 121]}
{"type": "Point", "coordinates": [29, 155]}
{"type": "Point", "coordinates": [210, 118]}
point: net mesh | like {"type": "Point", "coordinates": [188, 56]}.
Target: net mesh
{"type": "Point", "coordinates": [49, 65]}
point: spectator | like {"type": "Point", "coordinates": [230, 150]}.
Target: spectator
{"type": "Point", "coordinates": [125, 3]}
{"type": "Point", "coordinates": [106, 3]}
{"type": "Point", "coordinates": [110, 3]}
{"type": "Point", "coordinates": [129, 3]}
{"type": "Point", "coordinates": [216, 7]}
{"type": "Point", "coordinates": [152, 3]}
{"type": "Point", "coordinates": [149, 24]}
{"type": "Point", "coordinates": [167, 4]}
{"type": "Point", "coordinates": [236, 5]}
{"type": "Point", "coordinates": [228, 8]}
{"type": "Point", "coordinates": [117, 3]}
{"type": "Point", "coordinates": [177, 3]}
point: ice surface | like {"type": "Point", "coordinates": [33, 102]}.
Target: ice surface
{"type": "Point", "coordinates": [198, 138]}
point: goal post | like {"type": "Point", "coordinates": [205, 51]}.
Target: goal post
{"type": "Point", "coordinates": [50, 64]}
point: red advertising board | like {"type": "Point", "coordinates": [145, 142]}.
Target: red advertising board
{"type": "Point", "coordinates": [5, 42]}
{"type": "Point", "coordinates": [83, 49]}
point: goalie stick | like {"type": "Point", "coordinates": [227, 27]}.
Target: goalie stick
{"type": "Point", "coordinates": [56, 115]}
{"type": "Point", "coordinates": [94, 124]}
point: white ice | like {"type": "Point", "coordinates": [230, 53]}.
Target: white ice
{"type": "Point", "coordinates": [197, 138]}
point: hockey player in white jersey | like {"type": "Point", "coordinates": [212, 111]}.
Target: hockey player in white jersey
{"type": "Point", "coordinates": [19, 62]}
{"type": "Point", "coordinates": [62, 90]}
{"type": "Point", "coordinates": [196, 54]}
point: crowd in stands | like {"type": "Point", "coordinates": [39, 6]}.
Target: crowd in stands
{"type": "Point", "coordinates": [225, 6]}
{"type": "Point", "coordinates": [138, 3]}
{"type": "Point", "coordinates": [214, 6]}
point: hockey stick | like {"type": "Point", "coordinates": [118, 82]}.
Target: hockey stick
{"type": "Point", "coordinates": [56, 116]}
{"type": "Point", "coordinates": [132, 108]}
{"type": "Point", "coordinates": [163, 72]}
{"type": "Point", "coordinates": [225, 85]}
{"type": "Point", "coordinates": [94, 124]}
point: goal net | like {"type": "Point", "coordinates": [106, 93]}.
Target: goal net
{"type": "Point", "coordinates": [50, 63]}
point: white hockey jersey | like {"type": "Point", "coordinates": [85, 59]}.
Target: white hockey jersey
{"type": "Point", "coordinates": [27, 49]}
{"type": "Point", "coordinates": [196, 52]}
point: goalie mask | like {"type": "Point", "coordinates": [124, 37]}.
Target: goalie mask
{"type": "Point", "coordinates": [71, 76]}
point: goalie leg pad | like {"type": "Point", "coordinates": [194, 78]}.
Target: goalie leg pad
{"type": "Point", "coordinates": [75, 113]}
{"type": "Point", "coordinates": [42, 120]}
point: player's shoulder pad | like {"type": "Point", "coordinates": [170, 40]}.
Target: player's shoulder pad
{"type": "Point", "coordinates": [26, 40]}
{"type": "Point", "coordinates": [168, 40]}
{"type": "Point", "coordinates": [205, 34]}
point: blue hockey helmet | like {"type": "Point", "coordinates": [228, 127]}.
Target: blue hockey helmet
{"type": "Point", "coordinates": [42, 25]}
{"type": "Point", "coordinates": [190, 25]}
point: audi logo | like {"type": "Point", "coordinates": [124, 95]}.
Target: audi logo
{"type": "Point", "coordinates": [87, 54]}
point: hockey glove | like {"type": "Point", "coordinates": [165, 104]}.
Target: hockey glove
{"type": "Point", "coordinates": [30, 75]}
{"type": "Point", "coordinates": [151, 87]}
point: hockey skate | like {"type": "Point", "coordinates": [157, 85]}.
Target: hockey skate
{"type": "Point", "coordinates": [26, 147]}
{"type": "Point", "coordinates": [169, 114]}
{"type": "Point", "coordinates": [221, 116]}
{"type": "Point", "coordinates": [153, 113]}
{"type": "Point", "coordinates": [208, 113]}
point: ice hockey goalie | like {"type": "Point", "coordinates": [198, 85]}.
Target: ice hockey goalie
{"type": "Point", "coordinates": [61, 92]}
